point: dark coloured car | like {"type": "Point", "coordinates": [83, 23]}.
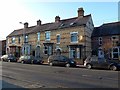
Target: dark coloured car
{"type": "Point", "coordinates": [30, 59]}
{"type": "Point", "coordinates": [61, 60]}
{"type": "Point", "coordinates": [95, 62]}
{"type": "Point", "coordinates": [11, 58]}
{"type": "Point", "coordinates": [38, 60]}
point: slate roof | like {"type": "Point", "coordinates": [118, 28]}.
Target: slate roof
{"type": "Point", "coordinates": [107, 29]}
{"type": "Point", "coordinates": [65, 23]}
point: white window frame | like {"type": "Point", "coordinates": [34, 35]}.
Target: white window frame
{"type": "Point", "coordinates": [38, 36]}
{"type": "Point", "coordinates": [113, 53]}
{"type": "Point", "coordinates": [71, 39]}
{"type": "Point", "coordinates": [26, 39]}
{"type": "Point", "coordinates": [116, 37]}
{"type": "Point", "coordinates": [48, 36]}
{"type": "Point", "coordinates": [45, 49]}
{"type": "Point", "coordinates": [57, 38]}
{"type": "Point", "coordinates": [13, 40]}
{"type": "Point", "coordinates": [48, 49]}
{"type": "Point", "coordinates": [115, 40]}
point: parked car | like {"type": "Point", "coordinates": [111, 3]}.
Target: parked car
{"type": "Point", "coordinates": [4, 57]}
{"type": "Point", "coordinates": [95, 62]}
{"type": "Point", "coordinates": [30, 59]}
{"type": "Point", "coordinates": [9, 58]}
{"type": "Point", "coordinates": [38, 60]}
{"type": "Point", "coordinates": [61, 60]}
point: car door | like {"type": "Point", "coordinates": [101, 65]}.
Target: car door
{"type": "Point", "coordinates": [103, 63]}
{"type": "Point", "coordinates": [62, 60]}
{"type": "Point", "coordinates": [94, 62]}
{"type": "Point", "coordinates": [55, 60]}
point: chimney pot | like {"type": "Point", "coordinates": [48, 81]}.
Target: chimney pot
{"type": "Point", "coordinates": [80, 12]}
{"type": "Point", "coordinates": [26, 25]}
{"type": "Point", "coordinates": [39, 22]}
{"type": "Point", "coordinates": [57, 19]}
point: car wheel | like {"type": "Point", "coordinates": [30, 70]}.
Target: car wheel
{"type": "Point", "coordinates": [67, 65]}
{"type": "Point", "coordinates": [88, 66]}
{"type": "Point", "coordinates": [32, 61]}
{"type": "Point", "coordinates": [8, 60]}
{"type": "Point", "coordinates": [51, 64]}
{"type": "Point", "coordinates": [22, 62]}
{"type": "Point", "coordinates": [113, 67]}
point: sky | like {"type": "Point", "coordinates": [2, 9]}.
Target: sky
{"type": "Point", "coordinates": [14, 11]}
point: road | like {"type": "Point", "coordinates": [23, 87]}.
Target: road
{"type": "Point", "coordinates": [17, 75]}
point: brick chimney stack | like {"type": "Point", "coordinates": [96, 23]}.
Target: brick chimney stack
{"type": "Point", "coordinates": [39, 22]}
{"type": "Point", "coordinates": [26, 25]}
{"type": "Point", "coordinates": [80, 12]}
{"type": "Point", "coordinates": [57, 19]}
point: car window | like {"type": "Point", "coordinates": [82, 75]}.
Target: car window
{"type": "Point", "coordinates": [94, 59]}
{"type": "Point", "coordinates": [63, 58]}
{"type": "Point", "coordinates": [10, 55]}
{"type": "Point", "coordinates": [25, 57]}
{"type": "Point", "coordinates": [56, 58]}
{"type": "Point", "coordinates": [101, 60]}
{"type": "Point", "coordinates": [28, 57]}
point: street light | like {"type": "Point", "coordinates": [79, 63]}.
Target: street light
{"type": "Point", "coordinates": [23, 38]}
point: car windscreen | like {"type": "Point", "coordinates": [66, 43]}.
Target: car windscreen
{"type": "Point", "coordinates": [10, 55]}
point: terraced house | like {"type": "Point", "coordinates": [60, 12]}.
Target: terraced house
{"type": "Point", "coordinates": [70, 37]}
{"type": "Point", "coordinates": [106, 39]}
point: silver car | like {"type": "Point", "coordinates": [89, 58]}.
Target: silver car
{"type": "Point", "coordinates": [95, 62]}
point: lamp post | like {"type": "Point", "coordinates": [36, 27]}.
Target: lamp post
{"type": "Point", "coordinates": [23, 48]}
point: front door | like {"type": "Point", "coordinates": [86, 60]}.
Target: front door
{"type": "Point", "coordinates": [62, 60]}
{"type": "Point", "coordinates": [26, 49]}
{"type": "Point", "coordinates": [72, 53]}
{"type": "Point", "coordinates": [48, 49]}
{"type": "Point", "coordinates": [37, 51]}
{"type": "Point", "coordinates": [75, 53]}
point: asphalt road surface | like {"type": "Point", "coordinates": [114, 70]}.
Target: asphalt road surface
{"type": "Point", "coordinates": [17, 75]}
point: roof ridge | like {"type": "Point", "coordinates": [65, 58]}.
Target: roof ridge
{"type": "Point", "coordinates": [53, 25]}
{"type": "Point", "coordinates": [116, 22]}
{"type": "Point", "coordinates": [75, 17]}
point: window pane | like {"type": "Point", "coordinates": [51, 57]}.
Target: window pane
{"type": "Point", "coordinates": [58, 38]}
{"type": "Point", "coordinates": [26, 38]}
{"type": "Point", "coordinates": [115, 49]}
{"type": "Point", "coordinates": [115, 55]}
{"type": "Point", "coordinates": [47, 35]}
{"type": "Point", "coordinates": [38, 36]}
{"type": "Point", "coordinates": [74, 37]}
{"type": "Point", "coordinates": [13, 39]}
{"type": "Point", "coordinates": [45, 51]}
